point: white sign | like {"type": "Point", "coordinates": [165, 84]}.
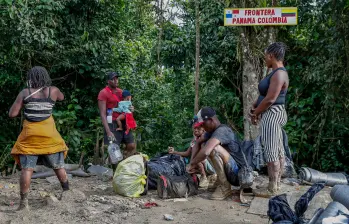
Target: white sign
{"type": "Point", "coordinates": [261, 16]}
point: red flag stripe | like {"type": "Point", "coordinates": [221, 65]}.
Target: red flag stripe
{"type": "Point", "coordinates": [236, 11]}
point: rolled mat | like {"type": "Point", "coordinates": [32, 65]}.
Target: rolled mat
{"type": "Point", "coordinates": [49, 173]}
{"type": "Point", "coordinates": [340, 193]}
{"type": "Point", "coordinates": [332, 210]}
{"type": "Point", "coordinates": [79, 173]}
{"type": "Point", "coordinates": [314, 176]}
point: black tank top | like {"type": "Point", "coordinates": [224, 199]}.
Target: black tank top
{"type": "Point", "coordinates": [263, 87]}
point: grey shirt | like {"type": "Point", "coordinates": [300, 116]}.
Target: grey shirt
{"type": "Point", "coordinates": [229, 140]}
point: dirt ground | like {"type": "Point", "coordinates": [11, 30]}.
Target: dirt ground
{"type": "Point", "coordinates": [92, 200]}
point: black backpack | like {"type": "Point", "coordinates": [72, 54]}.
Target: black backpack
{"type": "Point", "coordinates": [177, 186]}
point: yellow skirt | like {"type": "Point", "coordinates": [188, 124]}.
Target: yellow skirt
{"type": "Point", "coordinates": [39, 138]}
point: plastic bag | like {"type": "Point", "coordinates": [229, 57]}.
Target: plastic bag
{"type": "Point", "coordinates": [129, 178]}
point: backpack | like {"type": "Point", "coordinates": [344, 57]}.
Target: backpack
{"type": "Point", "coordinates": [245, 174]}
{"type": "Point", "coordinates": [177, 186]}
{"type": "Point", "coordinates": [167, 164]}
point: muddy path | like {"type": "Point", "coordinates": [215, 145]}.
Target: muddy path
{"type": "Point", "coordinates": [92, 200]}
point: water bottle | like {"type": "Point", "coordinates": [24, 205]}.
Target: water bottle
{"type": "Point", "coordinates": [114, 153]}
{"type": "Point", "coordinates": [110, 116]}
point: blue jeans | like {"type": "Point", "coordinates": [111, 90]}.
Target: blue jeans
{"type": "Point", "coordinates": [54, 161]}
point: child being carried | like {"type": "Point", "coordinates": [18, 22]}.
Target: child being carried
{"type": "Point", "coordinates": [125, 113]}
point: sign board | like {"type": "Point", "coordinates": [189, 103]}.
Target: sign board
{"type": "Point", "coordinates": [277, 16]}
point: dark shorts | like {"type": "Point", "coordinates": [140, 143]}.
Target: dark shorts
{"type": "Point", "coordinates": [120, 136]}
{"type": "Point", "coordinates": [54, 161]}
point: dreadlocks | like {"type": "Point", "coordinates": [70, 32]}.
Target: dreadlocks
{"type": "Point", "coordinates": [278, 50]}
{"type": "Point", "coordinates": [38, 77]}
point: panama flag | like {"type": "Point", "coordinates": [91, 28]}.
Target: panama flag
{"type": "Point", "coordinates": [230, 13]}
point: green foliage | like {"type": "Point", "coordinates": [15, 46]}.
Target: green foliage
{"type": "Point", "coordinates": [319, 73]}
{"type": "Point", "coordinates": [74, 40]}
{"type": "Point", "coordinates": [78, 41]}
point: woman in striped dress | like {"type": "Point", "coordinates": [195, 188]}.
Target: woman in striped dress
{"type": "Point", "coordinates": [39, 139]}
{"type": "Point", "coordinates": [269, 109]}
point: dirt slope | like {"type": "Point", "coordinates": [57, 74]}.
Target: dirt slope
{"type": "Point", "coordinates": [93, 201]}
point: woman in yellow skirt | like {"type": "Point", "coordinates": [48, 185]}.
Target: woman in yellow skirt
{"type": "Point", "coordinates": [39, 139]}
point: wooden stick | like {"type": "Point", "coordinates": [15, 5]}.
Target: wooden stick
{"type": "Point", "coordinates": [14, 168]}
{"type": "Point", "coordinates": [96, 154]}
{"type": "Point", "coordinates": [81, 158]}
{"type": "Point", "coordinates": [102, 152]}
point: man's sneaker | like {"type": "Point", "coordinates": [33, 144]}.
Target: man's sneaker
{"type": "Point", "coordinates": [212, 183]}
{"type": "Point", "coordinates": [204, 182]}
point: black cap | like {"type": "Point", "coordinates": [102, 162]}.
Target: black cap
{"type": "Point", "coordinates": [111, 75]}
{"type": "Point", "coordinates": [126, 93]}
{"type": "Point", "coordinates": [205, 113]}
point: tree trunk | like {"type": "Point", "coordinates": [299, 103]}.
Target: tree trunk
{"type": "Point", "coordinates": [251, 77]}
{"type": "Point", "coordinates": [197, 56]}
{"type": "Point", "coordinates": [250, 94]}
{"type": "Point", "coordinates": [249, 85]}
{"type": "Point", "coordinates": [253, 71]}
{"type": "Point", "coordinates": [81, 160]}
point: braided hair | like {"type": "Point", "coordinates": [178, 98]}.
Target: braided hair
{"type": "Point", "coordinates": [278, 50]}
{"type": "Point", "coordinates": [38, 77]}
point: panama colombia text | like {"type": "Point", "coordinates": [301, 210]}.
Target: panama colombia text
{"type": "Point", "coordinates": [263, 12]}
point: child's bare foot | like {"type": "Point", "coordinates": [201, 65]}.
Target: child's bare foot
{"type": "Point", "coordinates": [119, 129]}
